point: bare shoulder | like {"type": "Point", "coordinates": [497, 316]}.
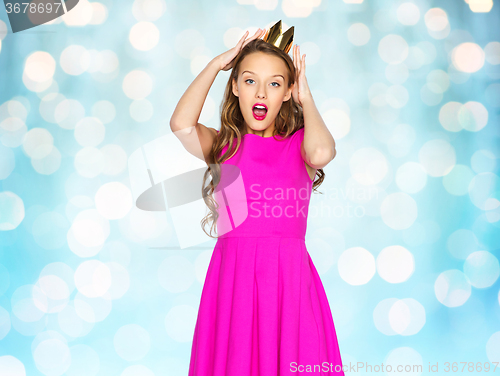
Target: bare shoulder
{"type": "Point", "coordinates": [198, 143]}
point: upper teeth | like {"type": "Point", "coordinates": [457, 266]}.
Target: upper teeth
{"type": "Point", "coordinates": [259, 106]}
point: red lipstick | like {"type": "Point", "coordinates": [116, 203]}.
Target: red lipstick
{"type": "Point", "coordinates": [259, 111]}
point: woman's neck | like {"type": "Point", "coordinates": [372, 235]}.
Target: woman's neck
{"type": "Point", "coordinates": [268, 132]}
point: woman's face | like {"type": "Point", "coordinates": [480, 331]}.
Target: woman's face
{"type": "Point", "coordinates": [262, 79]}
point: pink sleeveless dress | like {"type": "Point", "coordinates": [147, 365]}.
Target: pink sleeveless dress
{"type": "Point", "coordinates": [263, 308]}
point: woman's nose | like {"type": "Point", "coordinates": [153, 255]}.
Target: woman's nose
{"type": "Point", "coordinates": [261, 93]}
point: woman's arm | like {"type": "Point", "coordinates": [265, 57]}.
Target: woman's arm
{"type": "Point", "coordinates": [318, 147]}
{"type": "Point", "coordinates": [187, 112]}
{"type": "Point", "coordinates": [317, 137]}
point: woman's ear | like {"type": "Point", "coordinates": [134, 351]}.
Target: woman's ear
{"type": "Point", "coordinates": [235, 88]}
{"type": "Point", "coordinates": [288, 93]}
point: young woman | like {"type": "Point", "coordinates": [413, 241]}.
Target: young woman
{"type": "Point", "coordinates": [263, 309]}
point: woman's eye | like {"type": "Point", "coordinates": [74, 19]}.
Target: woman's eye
{"type": "Point", "coordinates": [277, 84]}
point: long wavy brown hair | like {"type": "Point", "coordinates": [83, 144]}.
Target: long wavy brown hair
{"type": "Point", "coordinates": [289, 120]}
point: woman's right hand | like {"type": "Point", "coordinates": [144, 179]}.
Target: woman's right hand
{"type": "Point", "coordinates": [226, 59]}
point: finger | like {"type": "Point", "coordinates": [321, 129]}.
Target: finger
{"type": "Point", "coordinates": [295, 57]}
{"type": "Point", "coordinates": [301, 61]}
{"type": "Point", "coordinates": [298, 59]}
{"type": "Point", "coordinates": [242, 38]}
{"type": "Point", "coordinates": [246, 41]}
{"type": "Point", "coordinates": [260, 33]}
{"type": "Point", "coordinates": [256, 35]}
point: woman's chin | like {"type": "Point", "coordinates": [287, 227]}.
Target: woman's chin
{"type": "Point", "coordinates": [258, 125]}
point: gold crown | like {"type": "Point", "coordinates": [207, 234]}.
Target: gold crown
{"type": "Point", "coordinates": [276, 38]}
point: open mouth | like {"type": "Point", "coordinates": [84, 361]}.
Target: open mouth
{"type": "Point", "coordinates": [259, 111]}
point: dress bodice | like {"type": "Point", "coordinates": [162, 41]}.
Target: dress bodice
{"type": "Point", "coordinates": [264, 189]}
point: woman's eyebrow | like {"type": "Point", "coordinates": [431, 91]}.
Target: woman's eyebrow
{"type": "Point", "coordinates": [276, 75]}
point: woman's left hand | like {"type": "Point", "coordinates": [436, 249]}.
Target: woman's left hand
{"type": "Point", "coordinates": [300, 88]}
